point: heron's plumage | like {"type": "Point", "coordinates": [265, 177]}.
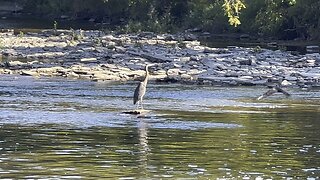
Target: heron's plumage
{"type": "Point", "coordinates": [272, 91]}
{"type": "Point", "coordinates": [141, 88]}
{"type": "Point", "coordinates": [139, 92]}
{"type": "Point", "coordinates": [268, 93]}
{"type": "Point", "coordinates": [282, 91]}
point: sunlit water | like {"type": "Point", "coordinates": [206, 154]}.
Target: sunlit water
{"type": "Point", "coordinates": [69, 129]}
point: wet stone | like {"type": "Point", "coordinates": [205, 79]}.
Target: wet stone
{"type": "Point", "coordinates": [29, 73]}
{"type": "Point", "coordinates": [88, 60]}
{"type": "Point", "coordinates": [124, 56]}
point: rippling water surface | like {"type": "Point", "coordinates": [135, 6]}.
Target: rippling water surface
{"type": "Point", "coordinates": [70, 129]}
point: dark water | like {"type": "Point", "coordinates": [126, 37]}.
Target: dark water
{"type": "Point", "coordinates": [74, 129]}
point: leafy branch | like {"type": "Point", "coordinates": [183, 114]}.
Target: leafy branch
{"type": "Point", "coordinates": [232, 9]}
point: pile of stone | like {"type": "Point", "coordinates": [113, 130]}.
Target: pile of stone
{"type": "Point", "coordinates": [179, 58]}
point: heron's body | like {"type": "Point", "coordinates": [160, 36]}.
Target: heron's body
{"type": "Point", "coordinates": [139, 92]}
{"type": "Point", "coordinates": [272, 91]}
{"type": "Point", "coordinates": [141, 89]}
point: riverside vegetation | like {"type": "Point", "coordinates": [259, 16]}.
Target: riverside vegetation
{"type": "Point", "coordinates": [286, 19]}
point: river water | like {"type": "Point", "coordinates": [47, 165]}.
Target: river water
{"type": "Point", "coordinates": [74, 129]}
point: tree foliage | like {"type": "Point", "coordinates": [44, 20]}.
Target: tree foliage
{"type": "Point", "coordinates": [232, 9]}
{"type": "Point", "coordinates": [284, 19]}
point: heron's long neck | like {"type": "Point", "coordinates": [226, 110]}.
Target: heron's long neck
{"type": "Point", "coordinates": [147, 76]}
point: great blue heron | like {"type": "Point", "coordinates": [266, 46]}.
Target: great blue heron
{"type": "Point", "coordinates": [273, 90]}
{"type": "Point", "coordinates": [141, 89]}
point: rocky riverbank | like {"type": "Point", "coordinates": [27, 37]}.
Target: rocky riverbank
{"type": "Point", "coordinates": [179, 58]}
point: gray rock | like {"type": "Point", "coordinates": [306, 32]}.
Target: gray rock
{"type": "Point", "coordinates": [291, 78]}
{"type": "Point", "coordinates": [286, 83]}
{"type": "Point", "coordinates": [173, 72]}
{"type": "Point", "coordinates": [129, 53]}
{"type": "Point", "coordinates": [72, 75]}
{"type": "Point", "coordinates": [190, 37]}
{"type": "Point", "coordinates": [102, 76]}
{"type": "Point", "coordinates": [227, 80]}
{"type": "Point", "coordinates": [186, 77]}
{"type": "Point", "coordinates": [195, 71]}
{"type": "Point", "coordinates": [156, 58]}
{"type": "Point", "coordinates": [29, 73]}
{"type": "Point", "coordinates": [194, 58]}
{"type": "Point", "coordinates": [184, 59]}
{"type": "Point", "coordinates": [120, 49]}
{"type": "Point", "coordinates": [168, 37]}
{"type": "Point", "coordinates": [246, 77]}
{"type": "Point", "coordinates": [247, 62]}
{"type": "Point", "coordinates": [147, 34]}
{"type": "Point", "coordinates": [118, 56]}
{"type": "Point", "coordinates": [91, 60]}
{"type": "Point", "coordinates": [9, 52]}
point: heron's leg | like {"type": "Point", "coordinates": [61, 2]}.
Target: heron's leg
{"type": "Point", "coordinates": [141, 104]}
{"type": "Point", "coordinates": [138, 105]}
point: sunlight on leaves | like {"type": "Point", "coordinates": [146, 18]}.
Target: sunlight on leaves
{"type": "Point", "coordinates": [232, 9]}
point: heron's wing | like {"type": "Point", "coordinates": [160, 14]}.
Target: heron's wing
{"type": "Point", "coordinates": [136, 93]}
{"type": "Point", "coordinates": [268, 93]}
{"type": "Point", "coordinates": [139, 92]}
{"type": "Point", "coordinates": [282, 91]}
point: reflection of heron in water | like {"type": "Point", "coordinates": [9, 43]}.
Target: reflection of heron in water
{"type": "Point", "coordinates": [141, 89]}
{"type": "Point", "coordinates": [143, 136]}
{"type": "Point", "coordinates": [272, 91]}
{"type": "Point", "coordinates": [144, 147]}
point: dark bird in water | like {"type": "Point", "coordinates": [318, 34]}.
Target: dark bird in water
{"type": "Point", "coordinates": [273, 90]}
{"type": "Point", "coordinates": [141, 89]}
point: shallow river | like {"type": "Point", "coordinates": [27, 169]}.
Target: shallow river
{"type": "Point", "coordinates": [69, 129]}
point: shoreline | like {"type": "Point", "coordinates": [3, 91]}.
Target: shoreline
{"type": "Point", "coordinates": [179, 58]}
